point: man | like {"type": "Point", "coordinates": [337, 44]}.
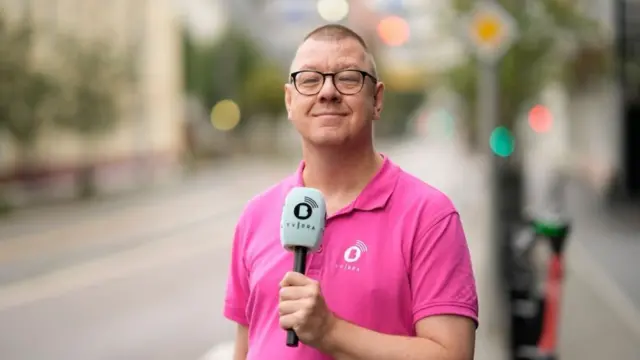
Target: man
{"type": "Point", "coordinates": [407, 290]}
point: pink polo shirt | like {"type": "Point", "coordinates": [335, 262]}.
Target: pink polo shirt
{"type": "Point", "coordinates": [396, 255]}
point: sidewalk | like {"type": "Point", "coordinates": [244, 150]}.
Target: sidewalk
{"type": "Point", "coordinates": [611, 233]}
{"type": "Point", "coordinates": [50, 216]}
{"type": "Point", "coordinates": [598, 320]}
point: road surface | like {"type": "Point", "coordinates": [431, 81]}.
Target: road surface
{"type": "Point", "coordinates": [142, 280]}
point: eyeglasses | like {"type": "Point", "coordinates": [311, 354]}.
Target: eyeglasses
{"type": "Point", "coordinates": [347, 82]}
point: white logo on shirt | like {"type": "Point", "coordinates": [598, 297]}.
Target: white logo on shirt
{"type": "Point", "coordinates": [353, 253]}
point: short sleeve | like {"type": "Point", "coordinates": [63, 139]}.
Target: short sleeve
{"type": "Point", "coordinates": [442, 279]}
{"type": "Point", "coordinates": [237, 292]}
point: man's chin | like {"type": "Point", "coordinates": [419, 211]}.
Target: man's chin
{"type": "Point", "coordinates": [328, 140]}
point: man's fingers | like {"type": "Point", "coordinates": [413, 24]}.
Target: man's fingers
{"type": "Point", "coordinates": [291, 306]}
{"type": "Point", "coordinates": [295, 292]}
{"type": "Point", "coordinates": [290, 321]}
{"type": "Point", "coordinates": [293, 278]}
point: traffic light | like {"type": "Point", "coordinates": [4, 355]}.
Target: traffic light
{"type": "Point", "coordinates": [502, 142]}
{"type": "Point", "coordinates": [540, 119]}
{"type": "Point", "coordinates": [393, 31]}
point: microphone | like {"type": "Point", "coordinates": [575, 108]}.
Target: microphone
{"type": "Point", "coordinates": [301, 228]}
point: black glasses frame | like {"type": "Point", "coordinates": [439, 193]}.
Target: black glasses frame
{"type": "Point", "coordinates": [364, 74]}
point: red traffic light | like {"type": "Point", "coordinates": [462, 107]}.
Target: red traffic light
{"type": "Point", "coordinates": [540, 119]}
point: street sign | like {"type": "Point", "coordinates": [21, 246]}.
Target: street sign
{"type": "Point", "coordinates": [491, 31]}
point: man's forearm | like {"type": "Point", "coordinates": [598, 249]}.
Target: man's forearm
{"type": "Point", "coordinates": [351, 342]}
{"type": "Point", "coordinates": [241, 347]}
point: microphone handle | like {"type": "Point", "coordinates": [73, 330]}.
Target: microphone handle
{"type": "Point", "coordinates": [299, 265]}
{"type": "Point", "coordinates": [300, 259]}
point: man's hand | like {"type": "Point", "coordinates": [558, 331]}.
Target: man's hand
{"type": "Point", "coordinates": [303, 309]}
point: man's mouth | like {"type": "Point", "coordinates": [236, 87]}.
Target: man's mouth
{"type": "Point", "coordinates": [329, 114]}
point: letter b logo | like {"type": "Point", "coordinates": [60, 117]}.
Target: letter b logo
{"type": "Point", "coordinates": [352, 254]}
{"type": "Point", "coordinates": [302, 211]}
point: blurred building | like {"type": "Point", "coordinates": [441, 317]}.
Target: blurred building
{"type": "Point", "coordinates": [148, 139]}
{"type": "Point", "coordinates": [627, 22]}
{"type": "Point", "coordinates": [606, 131]}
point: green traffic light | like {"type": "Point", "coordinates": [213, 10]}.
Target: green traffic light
{"type": "Point", "coordinates": [502, 142]}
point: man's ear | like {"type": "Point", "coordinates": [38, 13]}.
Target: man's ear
{"type": "Point", "coordinates": [287, 99]}
{"type": "Point", "coordinates": [378, 99]}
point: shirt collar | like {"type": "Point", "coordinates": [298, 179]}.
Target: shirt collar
{"type": "Point", "coordinates": [375, 194]}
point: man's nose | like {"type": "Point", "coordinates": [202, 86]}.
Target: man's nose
{"type": "Point", "coordinates": [328, 92]}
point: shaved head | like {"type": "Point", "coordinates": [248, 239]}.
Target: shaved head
{"type": "Point", "coordinates": [335, 32]}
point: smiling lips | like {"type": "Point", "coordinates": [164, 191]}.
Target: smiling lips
{"type": "Point", "coordinates": [329, 114]}
{"type": "Point", "coordinates": [329, 118]}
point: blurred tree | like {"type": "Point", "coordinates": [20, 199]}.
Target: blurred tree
{"type": "Point", "coordinates": [262, 101]}
{"type": "Point", "coordinates": [93, 85]}
{"type": "Point", "coordinates": [200, 62]}
{"type": "Point", "coordinates": [404, 94]}
{"type": "Point", "coordinates": [81, 96]}
{"type": "Point", "coordinates": [556, 41]}
{"type": "Point", "coordinates": [234, 68]}
{"type": "Point", "coordinates": [398, 108]}
{"type": "Point", "coordinates": [25, 91]}
{"type": "Point", "coordinates": [217, 71]}
{"type": "Point", "coordinates": [263, 91]}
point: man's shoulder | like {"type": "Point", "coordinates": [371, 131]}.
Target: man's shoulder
{"type": "Point", "coordinates": [421, 204]}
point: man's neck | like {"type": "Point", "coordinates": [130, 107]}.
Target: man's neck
{"type": "Point", "coordinates": [340, 172]}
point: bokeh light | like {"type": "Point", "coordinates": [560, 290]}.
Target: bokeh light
{"type": "Point", "coordinates": [488, 28]}
{"type": "Point", "coordinates": [447, 121]}
{"type": "Point", "coordinates": [440, 121]}
{"type": "Point", "coordinates": [393, 31]}
{"type": "Point", "coordinates": [225, 115]}
{"type": "Point", "coordinates": [502, 142]}
{"type": "Point", "coordinates": [540, 119]}
{"type": "Point", "coordinates": [333, 10]}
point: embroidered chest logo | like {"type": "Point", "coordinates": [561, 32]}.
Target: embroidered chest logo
{"type": "Point", "coordinates": [352, 255]}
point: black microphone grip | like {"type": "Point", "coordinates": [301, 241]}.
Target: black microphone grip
{"type": "Point", "coordinates": [299, 265]}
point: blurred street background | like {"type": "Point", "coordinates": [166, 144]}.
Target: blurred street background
{"type": "Point", "coordinates": [132, 133]}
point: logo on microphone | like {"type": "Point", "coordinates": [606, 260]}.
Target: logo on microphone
{"type": "Point", "coordinates": [304, 210]}
{"type": "Point", "coordinates": [353, 253]}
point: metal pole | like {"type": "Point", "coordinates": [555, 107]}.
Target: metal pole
{"type": "Point", "coordinates": [488, 100]}
{"type": "Point", "coordinates": [505, 186]}
{"type": "Point", "coordinates": [487, 110]}
{"type": "Point", "coordinates": [487, 104]}
{"type": "Point", "coordinates": [505, 196]}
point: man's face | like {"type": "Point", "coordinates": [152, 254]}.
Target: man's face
{"type": "Point", "coordinates": [329, 117]}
